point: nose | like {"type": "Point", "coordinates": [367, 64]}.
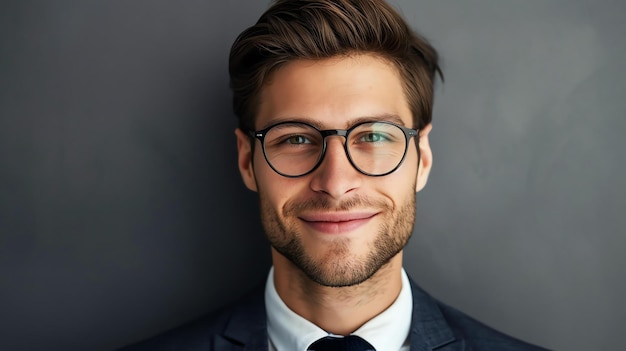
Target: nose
{"type": "Point", "coordinates": [335, 176]}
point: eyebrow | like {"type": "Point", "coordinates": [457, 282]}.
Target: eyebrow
{"type": "Point", "coordinates": [385, 117]}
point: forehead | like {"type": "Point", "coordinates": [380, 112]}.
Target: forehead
{"type": "Point", "coordinates": [334, 93]}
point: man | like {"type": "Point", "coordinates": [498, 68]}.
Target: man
{"type": "Point", "coordinates": [334, 100]}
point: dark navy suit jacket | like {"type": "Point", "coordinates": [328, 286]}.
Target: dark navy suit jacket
{"type": "Point", "coordinates": [240, 327]}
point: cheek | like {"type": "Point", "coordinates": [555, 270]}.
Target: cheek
{"type": "Point", "coordinates": [399, 187]}
{"type": "Point", "coordinates": [274, 189]}
{"type": "Point", "coordinates": [405, 177]}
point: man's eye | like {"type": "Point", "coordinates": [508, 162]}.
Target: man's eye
{"type": "Point", "coordinates": [297, 140]}
{"type": "Point", "coordinates": [372, 137]}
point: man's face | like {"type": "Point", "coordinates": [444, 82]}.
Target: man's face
{"type": "Point", "coordinates": [336, 225]}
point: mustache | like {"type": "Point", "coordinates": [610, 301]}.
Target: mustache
{"type": "Point", "coordinates": [325, 204]}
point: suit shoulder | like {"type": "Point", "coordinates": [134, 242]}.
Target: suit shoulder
{"type": "Point", "coordinates": [479, 335]}
{"type": "Point", "coordinates": [201, 334]}
{"type": "Point", "coordinates": [193, 335]}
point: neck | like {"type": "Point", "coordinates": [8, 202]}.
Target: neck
{"type": "Point", "coordinates": [340, 311]}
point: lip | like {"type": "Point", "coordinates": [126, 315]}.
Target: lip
{"type": "Point", "coordinates": [337, 222]}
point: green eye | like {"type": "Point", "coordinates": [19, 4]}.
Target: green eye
{"type": "Point", "coordinates": [372, 137]}
{"type": "Point", "coordinates": [297, 140]}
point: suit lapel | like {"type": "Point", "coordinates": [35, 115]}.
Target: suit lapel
{"type": "Point", "coordinates": [429, 329]}
{"type": "Point", "coordinates": [246, 329]}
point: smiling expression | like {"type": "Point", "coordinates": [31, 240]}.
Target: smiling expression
{"type": "Point", "coordinates": [336, 225]}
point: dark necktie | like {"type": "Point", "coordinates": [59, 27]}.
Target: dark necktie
{"type": "Point", "coordinates": [348, 343]}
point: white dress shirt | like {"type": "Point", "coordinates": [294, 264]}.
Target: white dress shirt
{"type": "Point", "coordinates": [388, 331]}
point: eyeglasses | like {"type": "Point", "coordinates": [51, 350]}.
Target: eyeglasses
{"type": "Point", "coordinates": [295, 149]}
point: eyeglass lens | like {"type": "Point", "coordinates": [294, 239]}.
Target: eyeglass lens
{"type": "Point", "coordinates": [295, 149]}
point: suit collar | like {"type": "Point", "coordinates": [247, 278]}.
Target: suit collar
{"type": "Point", "coordinates": [429, 328]}
{"type": "Point", "coordinates": [247, 329]}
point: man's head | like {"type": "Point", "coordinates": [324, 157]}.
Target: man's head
{"type": "Point", "coordinates": [332, 203]}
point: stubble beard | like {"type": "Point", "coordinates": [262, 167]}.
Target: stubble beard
{"type": "Point", "coordinates": [339, 266]}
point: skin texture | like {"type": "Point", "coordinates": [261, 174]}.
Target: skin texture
{"type": "Point", "coordinates": [337, 235]}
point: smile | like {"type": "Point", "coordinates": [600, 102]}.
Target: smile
{"type": "Point", "coordinates": [337, 223]}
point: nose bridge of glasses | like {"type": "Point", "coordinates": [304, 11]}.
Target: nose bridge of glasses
{"type": "Point", "coordinates": [333, 132]}
{"type": "Point", "coordinates": [339, 153]}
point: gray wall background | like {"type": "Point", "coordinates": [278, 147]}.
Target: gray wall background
{"type": "Point", "coordinates": [122, 212]}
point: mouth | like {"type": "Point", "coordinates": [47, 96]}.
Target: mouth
{"type": "Point", "coordinates": [337, 222]}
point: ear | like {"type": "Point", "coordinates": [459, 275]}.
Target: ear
{"type": "Point", "coordinates": [426, 158]}
{"type": "Point", "coordinates": [244, 152]}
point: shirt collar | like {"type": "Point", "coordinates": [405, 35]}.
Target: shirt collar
{"type": "Point", "coordinates": [288, 331]}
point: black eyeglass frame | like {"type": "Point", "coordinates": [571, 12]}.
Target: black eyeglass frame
{"type": "Point", "coordinates": [408, 134]}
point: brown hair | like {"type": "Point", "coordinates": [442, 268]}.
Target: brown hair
{"type": "Point", "coordinates": [318, 29]}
